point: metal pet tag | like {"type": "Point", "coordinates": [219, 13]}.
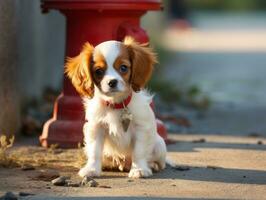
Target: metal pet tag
{"type": "Point", "coordinates": [126, 117]}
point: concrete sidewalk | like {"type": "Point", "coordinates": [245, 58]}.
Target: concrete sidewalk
{"type": "Point", "coordinates": [217, 167]}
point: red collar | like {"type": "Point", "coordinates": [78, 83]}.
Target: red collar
{"type": "Point", "coordinates": [121, 105]}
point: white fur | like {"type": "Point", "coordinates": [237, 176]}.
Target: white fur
{"type": "Point", "coordinates": [110, 50]}
{"type": "Point", "coordinates": [106, 143]}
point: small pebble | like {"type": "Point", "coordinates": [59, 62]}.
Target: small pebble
{"type": "Point", "coordinates": [9, 196]}
{"type": "Point", "coordinates": [24, 194]}
{"type": "Point", "coordinates": [27, 167]}
{"type": "Point", "coordinates": [87, 181]}
{"type": "Point", "coordinates": [211, 167]}
{"type": "Point", "coordinates": [201, 140]}
{"type": "Point", "coordinates": [181, 168]}
{"type": "Point", "coordinates": [244, 176]}
{"type": "Point", "coordinates": [92, 183]}
{"type": "Point", "coordinates": [72, 184]}
{"type": "Point", "coordinates": [259, 142]}
{"type": "Point", "coordinates": [104, 186]}
{"type": "Point", "coordinates": [130, 180]}
{"type": "Point", "coordinates": [60, 181]}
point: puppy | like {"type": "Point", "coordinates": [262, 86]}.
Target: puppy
{"type": "Point", "coordinates": [120, 130]}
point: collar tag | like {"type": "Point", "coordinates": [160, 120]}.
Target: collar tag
{"type": "Point", "coordinates": [125, 118]}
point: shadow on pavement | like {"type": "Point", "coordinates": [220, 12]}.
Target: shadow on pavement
{"type": "Point", "coordinates": [214, 174]}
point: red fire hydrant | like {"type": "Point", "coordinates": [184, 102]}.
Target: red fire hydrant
{"type": "Point", "coordinates": [94, 21]}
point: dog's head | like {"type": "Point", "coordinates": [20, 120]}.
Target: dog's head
{"type": "Point", "coordinates": [113, 67]}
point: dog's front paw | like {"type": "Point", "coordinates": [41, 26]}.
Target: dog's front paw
{"type": "Point", "coordinates": [139, 173]}
{"type": "Point", "coordinates": [89, 172]}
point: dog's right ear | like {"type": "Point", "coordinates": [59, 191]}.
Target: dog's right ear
{"type": "Point", "coordinates": [143, 59]}
{"type": "Point", "coordinates": [78, 71]}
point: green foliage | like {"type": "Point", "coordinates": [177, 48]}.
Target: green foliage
{"type": "Point", "coordinates": [227, 5]}
{"type": "Point", "coordinates": [191, 97]}
{"type": "Point", "coordinates": [193, 91]}
{"type": "Point", "coordinates": [169, 93]}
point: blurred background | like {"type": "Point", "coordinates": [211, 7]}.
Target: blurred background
{"type": "Point", "coordinates": [210, 80]}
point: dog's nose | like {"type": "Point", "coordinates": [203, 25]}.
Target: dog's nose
{"type": "Point", "coordinates": [113, 83]}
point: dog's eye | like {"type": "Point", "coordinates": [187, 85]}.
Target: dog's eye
{"type": "Point", "coordinates": [99, 72]}
{"type": "Point", "coordinates": [123, 69]}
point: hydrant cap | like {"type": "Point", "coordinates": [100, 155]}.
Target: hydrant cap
{"type": "Point", "coordinates": [101, 4]}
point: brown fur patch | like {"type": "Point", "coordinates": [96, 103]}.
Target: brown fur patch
{"type": "Point", "coordinates": [123, 59]}
{"type": "Point", "coordinates": [99, 63]}
{"type": "Point", "coordinates": [143, 59]}
{"type": "Point", "coordinates": [78, 70]}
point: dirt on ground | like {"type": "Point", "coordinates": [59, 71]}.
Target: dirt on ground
{"type": "Point", "coordinates": [208, 167]}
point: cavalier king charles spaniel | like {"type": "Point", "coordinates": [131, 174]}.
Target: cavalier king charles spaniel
{"type": "Point", "coordinates": [120, 130]}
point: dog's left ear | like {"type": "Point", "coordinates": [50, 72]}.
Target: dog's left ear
{"type": "Point", "coordinates": [78, 70]}
{"type": "Point", "coordinates": [143, 59]}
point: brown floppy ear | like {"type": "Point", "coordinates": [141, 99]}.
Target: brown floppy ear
{"type": "Point", "coordinates": [143, 60]}
{"type": "Point", "coordinates": [78, 70]}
